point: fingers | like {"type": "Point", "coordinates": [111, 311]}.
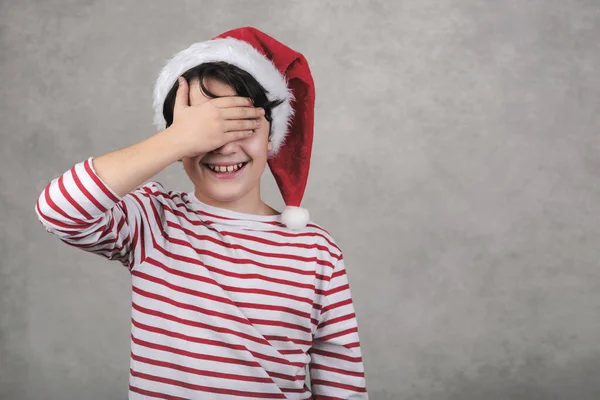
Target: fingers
{"type": "Point", "coordinates": [232, 101]}
{"type": "Point", "coordinates": [182, 96]}
{"type": "Point", "coordinates": [242, 113]}
{"type": "Point", "coordinates": [237, 135]}
{"type": "Point", "coordinates": [241, 119]}
{"type": "Point", "coordinates": [242, 125]}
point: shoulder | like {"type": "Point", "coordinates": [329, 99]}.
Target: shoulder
{"type": "Point", "coordinates": [155, 192]}
{"type": "Point", "coordinates": [323, 239]}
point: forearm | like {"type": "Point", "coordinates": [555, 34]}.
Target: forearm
{"type": "Point", "coordinates": [125, 169]}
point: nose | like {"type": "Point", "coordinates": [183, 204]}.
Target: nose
{"type": "Point", "coordinates": [227, 148]}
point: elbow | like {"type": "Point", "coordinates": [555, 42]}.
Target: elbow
{"type": "Point", "coordinates": [41, 210]}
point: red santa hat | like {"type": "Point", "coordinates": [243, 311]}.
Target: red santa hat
{"type": "Point", "coordinates": [285, 75]}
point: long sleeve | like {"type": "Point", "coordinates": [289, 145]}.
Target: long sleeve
{"type": "Point", "coordinates": [82, 211]}
{"type": "Point", "coordinates": [336, 366]}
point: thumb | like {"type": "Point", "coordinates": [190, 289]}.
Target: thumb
{"type": "Point", "coordinates": [182, 96]}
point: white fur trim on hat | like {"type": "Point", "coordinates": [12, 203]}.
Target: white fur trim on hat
{"type": "Point", "coordinates": [295, 217]}
{"type": "Point", "coordinates": [242, 55]}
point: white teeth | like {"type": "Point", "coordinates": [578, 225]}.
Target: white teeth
{"type": "Point", "coordinates": [229, 168]}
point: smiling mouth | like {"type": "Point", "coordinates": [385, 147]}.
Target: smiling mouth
{"type": "Point", "coordinates": [225, 169]}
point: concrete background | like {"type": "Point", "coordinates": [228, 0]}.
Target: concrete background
{"type": "Point", "coordinates": [456, 162]}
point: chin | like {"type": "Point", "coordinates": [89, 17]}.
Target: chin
{"type": "Point", "coordinates": [225, 197]}
{"type": "Point", "coordinates": [223, 192]}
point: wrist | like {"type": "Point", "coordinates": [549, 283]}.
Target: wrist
{"type": "Point", "coordinates": [174, 140]}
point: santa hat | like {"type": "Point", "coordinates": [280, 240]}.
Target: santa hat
{"type": "Point", "coordinates": [285, 75]}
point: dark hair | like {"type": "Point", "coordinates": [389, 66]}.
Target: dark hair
{"type": "Point", "coordinates": [239, 80]}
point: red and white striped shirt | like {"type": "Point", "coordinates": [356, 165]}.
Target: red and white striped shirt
{"type": "Point", "coordinates": [225, 305]}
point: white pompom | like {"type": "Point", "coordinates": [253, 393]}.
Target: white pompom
{"type": "Point", "coordinates": [295, 217]}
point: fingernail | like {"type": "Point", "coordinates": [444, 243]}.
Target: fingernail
{"type": "Point", "coordinates": [180, 80]}
{"type": "Point", "coordinates": [262, 111]}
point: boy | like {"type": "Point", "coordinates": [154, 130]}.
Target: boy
{"type": "Point", "coordinates": [231, 299]}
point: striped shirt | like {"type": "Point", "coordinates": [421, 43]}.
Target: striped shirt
{"type": "Point", "coordinates": [225, 305]}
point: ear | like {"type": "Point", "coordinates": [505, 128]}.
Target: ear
{"type": "Point", "coordinates": [269, 146]}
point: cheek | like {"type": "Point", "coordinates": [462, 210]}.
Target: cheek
{"type": "Point", "coordinates": [257, 145]}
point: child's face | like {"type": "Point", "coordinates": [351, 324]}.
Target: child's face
{"type": "Point", "coordinates": [238, 187]}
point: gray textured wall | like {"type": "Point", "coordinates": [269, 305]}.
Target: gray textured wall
{"type": "Point", "coordinates": [456, 161]}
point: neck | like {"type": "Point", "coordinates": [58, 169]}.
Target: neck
{"type": "Point", "coordinates": [250, 203]}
